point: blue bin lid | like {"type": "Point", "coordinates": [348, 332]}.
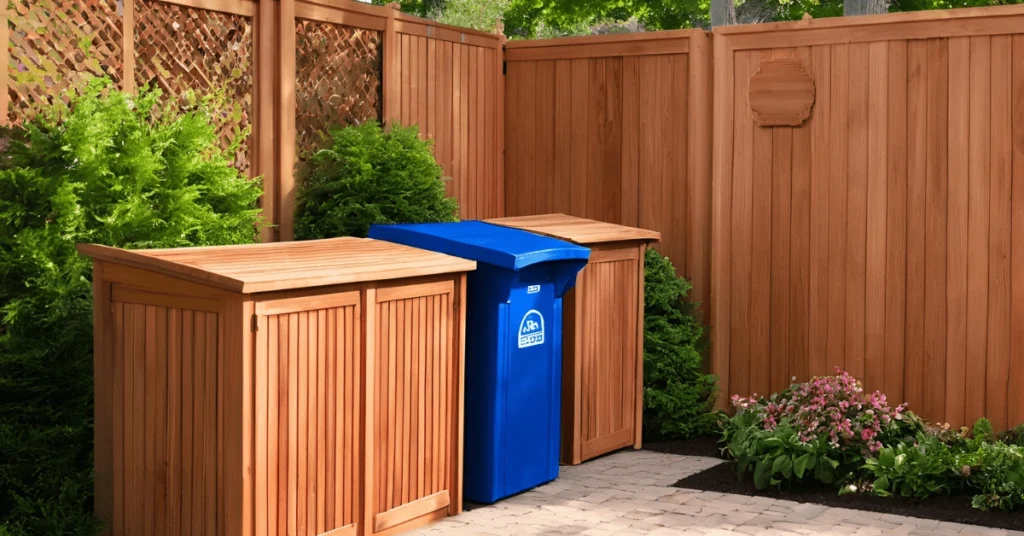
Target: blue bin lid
{"type": "Point", "coordinates": [499, 246]}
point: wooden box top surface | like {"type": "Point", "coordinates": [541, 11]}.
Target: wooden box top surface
{"type": "Point", "coordinates": [579, 230]}
{"type": "Point", "coordinates": [252, 268]}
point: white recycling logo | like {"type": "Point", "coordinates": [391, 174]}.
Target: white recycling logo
{"type": "Point", "coordinates": [531, 329]}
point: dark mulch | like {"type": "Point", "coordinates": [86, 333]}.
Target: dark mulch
{"type": "Point", "coordinates": [954, 508]}
{"type": "Point", "coordinates": [699, 446]}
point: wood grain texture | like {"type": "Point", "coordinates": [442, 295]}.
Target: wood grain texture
{"type": "Point", "coordinates": [615, 129]}
{"type": "Point", "coordinates": [159, 451]}
{"type": "Point", "coordinates": [781, 93]}
{"type": "Point", "coordinates": [329, 341]}
{"type": "Point", "coordinates": [451, 91]}
{"type": "Point", "coordinates": [250, 414]}
{"type": "Point", "coordinates": [286, 265]}
{"type": "Point", "coordinates": [907, 250]}
{"type": "Point", "coordinates": [415, 393]}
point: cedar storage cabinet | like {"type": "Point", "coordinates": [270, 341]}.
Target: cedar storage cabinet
{"type": "Point", "coordinates": [309, 388]}
{"type": "Point", "coordinates": [602, 345]}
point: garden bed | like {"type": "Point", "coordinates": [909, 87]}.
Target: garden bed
{"type": "Point", "coordinates": [955, 508]}
{"type": "Point", "coordinates": [707, 446]}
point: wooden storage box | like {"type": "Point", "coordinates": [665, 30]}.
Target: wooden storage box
{"type": "Point", "coordinates": [602, 346]}
{"type": "Point", "coordinates": [304, 388]}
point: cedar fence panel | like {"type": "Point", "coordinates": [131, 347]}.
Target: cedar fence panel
{"type": "Point", "coordinates": [615, 128]}
{"type": "Point", "coordinates": [884, 235]}
{"type": "Point", "coordinates": [289, 69]}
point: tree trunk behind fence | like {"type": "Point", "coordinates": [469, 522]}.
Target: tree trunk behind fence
{"type": "Point", "coordinates": [864, 7]}
{"type": "Point", "coordinates": [723, 12]}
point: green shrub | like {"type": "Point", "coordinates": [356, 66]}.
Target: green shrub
{"type": "Point", "coordinates": [368, 175]}
{"type": "Point", "coordinates": [110, 169]}
{"type": "Point", "coordinates": [828, 424]}
{"type": "Point", "coordinates": [678, 395]}
{"type": "Point", "coordinates": [996, 471]}
{"type": "Point", "coordinates": [779, 455]}
{"type": "Point", "coordinates": [920, 469]}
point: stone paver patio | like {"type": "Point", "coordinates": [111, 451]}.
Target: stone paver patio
{"type": "Point", "coordinates": [630, 493]}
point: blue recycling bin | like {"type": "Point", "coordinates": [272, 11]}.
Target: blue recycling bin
{"type": "Point", "coordinates": [513, 348]}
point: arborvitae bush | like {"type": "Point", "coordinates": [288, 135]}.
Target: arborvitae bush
{"type": "Point", "coordinates": [108, 168]}
{"type": "Point", "coordinates": [678, 394]}
{"type": "Point", "coordinates": [370, 175]}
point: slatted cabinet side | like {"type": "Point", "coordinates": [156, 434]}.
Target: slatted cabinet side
{"type": "Point", "coordinates": [604, 357]}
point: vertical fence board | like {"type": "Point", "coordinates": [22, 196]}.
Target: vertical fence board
{"type": "Point", "coordinates": [998, 328]}
{"type": "Point", "coordinates": [877, 208]}
{"type": "Point", "coordinates": [821, 185]}
{"type": "Point", "coordinates": [896, 215]}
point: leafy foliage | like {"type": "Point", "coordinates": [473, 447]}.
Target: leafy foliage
{"type": "Point", "coordinates": [678, 395]}
{"type": "Point", "coordinates": [111, 169]}
{"type": "Point", "coordinates": [996, 471]}
{"type": "Point", "coordinates": [828, 423]}
{"type": "Point", "coordinates": [830, 431]}
{"type": "Point", "coordinates": [367, 176]}
{"type": "Point", "coordinates": [779, 455]}
{"type": "Point", "coordinates": [937, 464]}
{"type": "Point", "coordinates": [480, 15]}
{"type": "Point", "coordinates": [918, 469]}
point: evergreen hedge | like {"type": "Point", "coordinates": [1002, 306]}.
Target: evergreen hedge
{"type": "Point", "coordinates": [107, 168]}
{"type": "Point", "coordinates": [678, 395]}
{"type": "Point", "coordinates": [369, 175]}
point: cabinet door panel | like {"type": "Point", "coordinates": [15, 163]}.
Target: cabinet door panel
{"type": "Point", "coordinates": [308, 375]}
{"type": "Point", "coordinates": [415, 402]}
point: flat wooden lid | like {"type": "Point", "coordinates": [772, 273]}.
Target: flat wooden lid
{"type": "Point", "coordinates": [267, 267]}
{"type": "Point", "coordinates": [578, 230]}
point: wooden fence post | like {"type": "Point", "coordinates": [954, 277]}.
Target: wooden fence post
{"type": "Point", "coordinates": [499, 111]}
{"type": "Point", "coordinates": [262, 143]}
{"type": "Point", "coordinates": [286, 121]}
{"type": "Point", "coordinates": [128, 46]}
{"type": "Point", "coordinates": [390, 86]}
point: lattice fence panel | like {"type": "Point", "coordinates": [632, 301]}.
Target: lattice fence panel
{"type": "Point", "coordinates": [337, 79]}
{"type": "Point", "coordinates": [56, 45]}
{"type": "Point", "coordinates": [181, 48]}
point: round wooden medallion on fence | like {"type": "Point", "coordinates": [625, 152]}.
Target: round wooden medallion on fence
{"type": "Point", "coordinates": [781, 93]}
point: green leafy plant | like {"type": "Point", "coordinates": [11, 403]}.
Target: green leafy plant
{"type": "Point", "coordinates": [996, 471]}
{"type": "Point", "coordinates": [918, 469]}
{"type": "Point", "coordinates": [107, 168]}
{"type": "Point", "coordinates": [778, 455]}
{"type": "Point", "coordinates": [370, 175]}
{"type": "Point", "coordinates": [829, 423]}
{"type": "Point", "coordinates": [678, 395]}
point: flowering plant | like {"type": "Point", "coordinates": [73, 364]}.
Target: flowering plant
{"type": "Point", "coordinates": [834, 407]}
{"type": "Point", "coordinates": [823, 428]}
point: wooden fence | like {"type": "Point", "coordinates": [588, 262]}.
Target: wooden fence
{"type": "Point", "coordinates": [289, 69]}
{"type": "Point", "coordinates": [885, 233]}
{"type": "Point", "coordinates": [615, 128]}
{"type": "Point", "coordinates": [866, 208]}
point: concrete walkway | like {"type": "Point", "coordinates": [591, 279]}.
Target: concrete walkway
{"type": "Point", "coordinates": [630, 493]}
